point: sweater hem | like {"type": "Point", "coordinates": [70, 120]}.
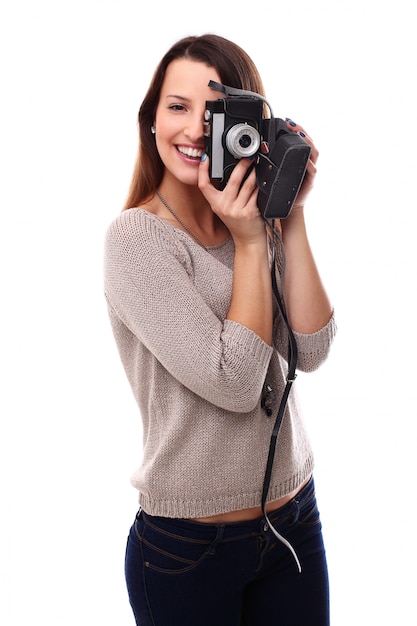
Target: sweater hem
{"type": "Point", "coordinates": [189, 509]}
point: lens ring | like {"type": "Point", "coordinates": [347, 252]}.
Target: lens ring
{"type": "Point", "coordinates": [243, 140]}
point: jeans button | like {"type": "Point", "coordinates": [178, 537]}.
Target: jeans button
{"type": "Point", "coordinates": [266, 527]}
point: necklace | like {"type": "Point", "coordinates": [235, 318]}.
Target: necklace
{"type": "Point", "coordinates": [189, 231]}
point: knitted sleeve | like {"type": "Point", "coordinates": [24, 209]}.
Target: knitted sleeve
{"type": "Point", "coordinates": [150, 288]}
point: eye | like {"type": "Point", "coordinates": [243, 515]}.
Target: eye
{"type": "Point", "coordinates": [177, 107]}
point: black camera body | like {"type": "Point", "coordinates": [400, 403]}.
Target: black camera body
{"type": "Point", "coordinates": [232, 128]}
{"type": "Point", "coordinates": [235, 128]}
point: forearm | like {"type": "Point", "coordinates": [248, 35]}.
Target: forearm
{"type": "Point", "coordinates": [308, 305]}
{"type": "Point", "coordinates": [251, 303]}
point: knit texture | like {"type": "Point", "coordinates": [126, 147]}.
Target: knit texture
{"type": "Point", "coordinates": [197, 377]}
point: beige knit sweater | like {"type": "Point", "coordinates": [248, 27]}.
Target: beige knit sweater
{"type": "Point", "coordinates": [197, 377]}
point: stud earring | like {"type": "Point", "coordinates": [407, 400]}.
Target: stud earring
{"type": "Point", "coordinates": [153, 130]}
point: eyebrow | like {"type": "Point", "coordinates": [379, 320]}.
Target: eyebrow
{"type": "Point", "coordinates": [176, 97]}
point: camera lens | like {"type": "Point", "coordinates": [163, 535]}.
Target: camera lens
{"type": "Point", "coordinates": [243, 140]}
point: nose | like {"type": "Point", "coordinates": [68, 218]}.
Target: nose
{"type": "Point", "coordinates": [194, 129]}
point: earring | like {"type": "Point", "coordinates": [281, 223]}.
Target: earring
{"type": "Point", "coordinates": [153, 130]}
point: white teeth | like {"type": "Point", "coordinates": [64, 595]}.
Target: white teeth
{"type": "Point", "coordinates": [191, 152]}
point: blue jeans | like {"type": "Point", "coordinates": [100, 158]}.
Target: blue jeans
{"type": "Point", "coordinates": [185, 573]}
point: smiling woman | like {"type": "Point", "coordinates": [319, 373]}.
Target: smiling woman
{"type": "Point", "coordinates": [198, 326]}
{"type": "Point", "coordinates": [179, 120]}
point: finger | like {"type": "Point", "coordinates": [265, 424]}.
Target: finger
{"type": "Point", "coordinates": [314, 155]}
{"type": "Point", "coordinates": [249, 188]}
{"type": "Point", "coordinates": [242, 178]}
{"type": "Point", "coordinates": [248, 195]}
{"type": "Point", "coordinates": [297, 128]}
{"type": "Point", "coordinates": [204, 182]}
{"type": "Point", "coordinates": [311, 167]}
{"type": "Point", "coordinates": [203, 170]}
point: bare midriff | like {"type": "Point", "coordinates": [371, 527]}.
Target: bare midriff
{"type": "Point", "coordinates": [244, 515]}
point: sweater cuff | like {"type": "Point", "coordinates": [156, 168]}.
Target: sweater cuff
{"type": "Point", "coordinates": [314, 348]}
{"type": "Point", "coordinates": [248, 341]}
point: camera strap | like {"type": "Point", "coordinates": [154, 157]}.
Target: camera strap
{"type": "Point", "coordinates": [240, 93]}
{"type": "Point", "coordinates": [292, 364]}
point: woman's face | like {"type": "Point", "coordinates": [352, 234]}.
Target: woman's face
{"type": "Point", "coordinates": [180, 115]}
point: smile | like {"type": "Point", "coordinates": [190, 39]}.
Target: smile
{"type": "Point", "coordinates": [191, 153]}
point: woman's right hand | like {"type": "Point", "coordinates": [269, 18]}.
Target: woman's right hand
{"type": "Point", "coordinates": [251, 303]}
{"type": "Point", "coordinates": [236, 205]}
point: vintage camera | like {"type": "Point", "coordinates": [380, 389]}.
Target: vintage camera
{"type": "Point", "coordinates": [234, 128]}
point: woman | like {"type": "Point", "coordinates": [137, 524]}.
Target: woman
{"type": "Point", "coordinates": [203, 343]}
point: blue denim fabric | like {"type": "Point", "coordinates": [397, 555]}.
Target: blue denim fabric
{"type": "Point", "coordinates": [185, 573]}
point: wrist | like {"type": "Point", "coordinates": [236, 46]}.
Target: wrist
{"type": "Point", "coordinates": [294, 221]}
{"type": "Point", "coordinates": [256, 241]}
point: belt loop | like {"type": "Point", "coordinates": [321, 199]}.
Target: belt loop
{"type": "Point", "coordinates": [296, 505]}
{"type": "Point", "coordinates": [219, 537]}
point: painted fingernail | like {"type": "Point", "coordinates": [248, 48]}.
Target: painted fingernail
{"type": "Point", "coordinates": [290, 122]}
{"type": "Point", "coordinates": [302, 134]}
{"type": "Point", "coordinates": [203, 158]}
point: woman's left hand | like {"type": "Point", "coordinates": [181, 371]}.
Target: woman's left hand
{"type": "Point", "coordinates": [311, 170]}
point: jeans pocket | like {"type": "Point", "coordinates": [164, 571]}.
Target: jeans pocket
{"type": "Point", "coordinates": [168, 548]}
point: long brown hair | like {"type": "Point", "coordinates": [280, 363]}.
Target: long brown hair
{"type": "Point", "coordinates": [235, 69]}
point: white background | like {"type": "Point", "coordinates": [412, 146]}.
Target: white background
{"type": "Point", "coordinates": [72, 77]}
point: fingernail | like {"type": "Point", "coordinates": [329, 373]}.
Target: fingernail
{"type": "Point", "coordinates": [203, 158]}
{"type": "Point", "coordinates": [302, 134]}
{"type": "Point", "coordinates": [291, 123]}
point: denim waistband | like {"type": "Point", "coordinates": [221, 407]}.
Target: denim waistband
{"type": "Point", "coordinates": [235, 530]}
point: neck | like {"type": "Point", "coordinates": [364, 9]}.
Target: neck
{"type": "Point", "coordinates": [190, 205]}
{"type": "Point", "coordinates": [189, 208]}
{"type": "Point", "coordinates": [186, 195]}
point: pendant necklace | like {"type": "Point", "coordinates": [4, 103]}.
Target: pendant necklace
{"type": "Point", "coordinates": [185, 227]}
